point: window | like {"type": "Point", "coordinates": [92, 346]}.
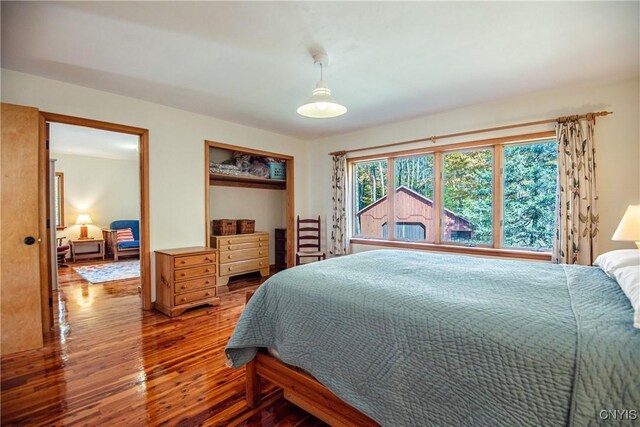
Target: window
{"type": "Point", "coordinates": [529, 185]}
{"type": "Point", "coordinates": [370, 190]}
{"type": "Point", "coordinates": [413, 207]}
{"type": "Point", "coordinates": [467, 191]}
{"type": "Point", "coordinates": [412, 231]}
{"type": "Point", "coordinates": [59, 200]}
{"type": "Point", "coordinates": [492, 195]}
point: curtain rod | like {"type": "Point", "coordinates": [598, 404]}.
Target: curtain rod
{"type": "Point", "coordinates": [471, 132]}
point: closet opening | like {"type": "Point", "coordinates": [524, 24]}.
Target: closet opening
{"type": "Point", "coordinates": [249, 194]}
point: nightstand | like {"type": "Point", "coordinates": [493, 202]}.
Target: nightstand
{"type": "Point", "coordinates": [87, 244]}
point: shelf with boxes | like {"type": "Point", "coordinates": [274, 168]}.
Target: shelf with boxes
{"type": "Point", "coordinates": [246, 182]}
{"type": "Point", "coordinates": [242, 169]}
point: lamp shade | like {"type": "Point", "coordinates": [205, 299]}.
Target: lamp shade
{"type": "Point", "coordinates": [629, 227]}
{"type": "Point", "coordinates": [321, 105]}
{"type": "Point", "coordinates": [84, 219]}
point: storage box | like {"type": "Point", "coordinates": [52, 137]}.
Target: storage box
{"type": "Point", "coordinates": [223, 227]}
{"type": "Point", "coordinates": [277, 170]}
{"type": "Point", "coordinates": [246, 226]}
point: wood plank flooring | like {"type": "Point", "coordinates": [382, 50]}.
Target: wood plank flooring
{"type": "Point", "coordinates": [108, 362]}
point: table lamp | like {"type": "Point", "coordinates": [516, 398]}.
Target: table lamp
{"type": "Point", "coordinates": [83, 220]}
{"type": "Point", "coordinates": [629, 227]}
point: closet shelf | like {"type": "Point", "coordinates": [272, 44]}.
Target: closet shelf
{"type": "Point", "coordinates": [246, 181]}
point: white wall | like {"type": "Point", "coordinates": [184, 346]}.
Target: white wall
{"type": "Point", "coordinates": [106, 189]}
{"type": "Point", "coordinates": [176, 149]}
{"type": "Point", "coordinates": [617, 140]}
{"type": "Point", "coordinates": [267, 207]}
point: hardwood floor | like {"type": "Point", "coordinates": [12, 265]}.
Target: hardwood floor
{"type": "Point", "coordinates": [108, 362]}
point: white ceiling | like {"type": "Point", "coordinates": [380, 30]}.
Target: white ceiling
{"type": "Point", "coordinates": [249, 62]}
{"type": "Point", "coordinates": [83, 141]}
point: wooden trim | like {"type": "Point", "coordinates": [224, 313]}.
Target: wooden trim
{"type": "Point", "coordinates": [207, 182]}
{"type": "Point", "coordinates": [475, 250]}
{"type": "Point", "coordinates": [44, 251]}
{"type": "Point", "coordinates": [288, 187]}
{"type": "Point", "coordinates": [497, 196]}
{"type": "Point", "coordinates": [215, 144]}
{"type": "Point", "coordinates": [437, 198]}
{"type": "Point", "coordinates": [246, 182]}
{"type": "Point", "coordinates": [145, 234]}
{"type": "Point", "coordinates": [434, 139]}
{"type": "Point", "coordinates": [145, 230]}
{"type": "Point", "coordinates": [60, 175]}
{"type": "Point", "coordinates": [90, 123]}
{"type": "Point", "coordinates": [528, 137]}
{"type": "Point", "coordinates": [304, 391]}
{"type": "Point", "coordinates": [391, 220]}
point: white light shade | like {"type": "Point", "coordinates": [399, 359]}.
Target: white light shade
{"type": "Point", "coordinates": [321, 105]}
{"type": "Point", "coordinates": [84, 219]}
{"type": "Point", "coordinates": [629, 227]}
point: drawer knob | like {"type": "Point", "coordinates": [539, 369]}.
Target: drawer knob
{"type": "Point", "coordinates": [183, 299]}
{"type": "Point", "coordinates": [208, 270]}
{"type": "Point", "coordinates": [229, 268]}
{"type": "Point", "coordinates": [206, 282]}
{"type": "Point", "coordinates": [207, 294]}
{"type": "Point", "coordinates": [260, 244]}
{"type": "Point", "coordinates": [228, 241]}
{"type": "Point", "coordinates": [229, 256]}
{"type": "Point", "coordinates": [183, 262]}
{"type": "Point", "coordinates": [260, 252]}
{"type": "Point", "coordinates": [229, 247]}
{"type": "Point", "coordinates": [183, 274]}
{"type": "Point", "coordinates": [184, 287]}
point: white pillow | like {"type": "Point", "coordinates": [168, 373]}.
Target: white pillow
{"type": "Point", "coordinates": [624, 267]}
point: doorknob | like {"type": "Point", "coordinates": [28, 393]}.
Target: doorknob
{"type": "Point", "coordinates": [29, 240]}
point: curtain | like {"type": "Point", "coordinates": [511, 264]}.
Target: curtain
{"type": "Point", "coordinates": [339, 244]}
{"type": "Point", "coordinates": [576, 234]}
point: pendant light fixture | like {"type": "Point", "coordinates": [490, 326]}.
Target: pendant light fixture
{"type": "Point", "coordinates": [321, 105]}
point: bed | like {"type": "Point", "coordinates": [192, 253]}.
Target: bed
{"type": "Point", "coordinates": [412, 338]}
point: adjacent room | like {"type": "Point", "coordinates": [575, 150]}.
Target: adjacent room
{"type": "Point", "coordinates": [96, 205]}
{"type": "Point", "coordinates": [320, 213]}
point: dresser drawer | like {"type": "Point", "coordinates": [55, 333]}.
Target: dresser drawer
{"type": "Point", "coordinates": [240, 246]}
{"type": "Point", "coordinates": [233, 240]}
{"type": "Point", "coordinates": [242, 254]}
{"type": "Point", "coordinates": [233, 268]}
{"type": "Point", "coordinates": [191, 285]}
{"type": "Point", "coordinates": [194, 296]}
{"type": "Point", "coordinates": [188, 273]}
{"type": "Point", "coordinates": [187, 261]}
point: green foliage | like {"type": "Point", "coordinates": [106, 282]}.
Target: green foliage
{"type": "Point", "coordinates": [371, 182]}
{"type": "Point", "coordinates": [415, 173]}
{"type": "Point", "coordinates": [530, 187]}
{"type": "Point", "coordinates": [468, 190]}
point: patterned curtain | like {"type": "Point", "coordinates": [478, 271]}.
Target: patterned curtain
{"type": "Point", "coordinates": [577, 217]}
{"type": "Point", "coordinates": [339, 244]}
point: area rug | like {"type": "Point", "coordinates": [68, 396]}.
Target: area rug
{"type": "Point", "coordinates": [101, 273]}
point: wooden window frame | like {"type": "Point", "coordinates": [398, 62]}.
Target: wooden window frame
{"type": "Point", "coordinates": [496, 248]}
{"type": "Point", "coordinates": [60, 213]}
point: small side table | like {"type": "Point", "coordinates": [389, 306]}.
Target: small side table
{"type": "Point", "coordinates": [77, 244]}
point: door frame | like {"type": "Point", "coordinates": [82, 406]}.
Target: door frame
{"type": "Point", "coordinates": [289, 189]}
{"type": "Point", "coordinates": [143, 165]}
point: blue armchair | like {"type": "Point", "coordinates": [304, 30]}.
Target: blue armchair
{"type": "Point", "coordinates": [123, 248]}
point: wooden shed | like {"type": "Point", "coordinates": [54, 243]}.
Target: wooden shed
{"type": "Point", "coordinates": [414, 219]}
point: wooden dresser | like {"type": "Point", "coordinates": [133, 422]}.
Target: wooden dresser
{"type": "Point", "coordinates": [185, 278]}
{"type": "Point", "coordinates": [240, 254]}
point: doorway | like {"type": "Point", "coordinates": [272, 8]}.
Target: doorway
{"type": "Point", "coordinates": [87, 236]}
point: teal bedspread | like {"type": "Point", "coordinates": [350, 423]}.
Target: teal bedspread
{"type": "Point", "coordinates": [422, 339]}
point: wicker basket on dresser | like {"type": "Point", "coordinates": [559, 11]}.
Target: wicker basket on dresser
{"type": "Point", "coordinates": [240, 254]}
{"type": "Point", "coordinates": [185, 278]}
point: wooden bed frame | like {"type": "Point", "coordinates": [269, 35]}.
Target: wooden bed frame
{"type": "Point", "coordinates": [300, 389]}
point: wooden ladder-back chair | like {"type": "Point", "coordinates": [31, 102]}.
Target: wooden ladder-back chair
{"type": "Point", "coordinates": [309, 239]}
